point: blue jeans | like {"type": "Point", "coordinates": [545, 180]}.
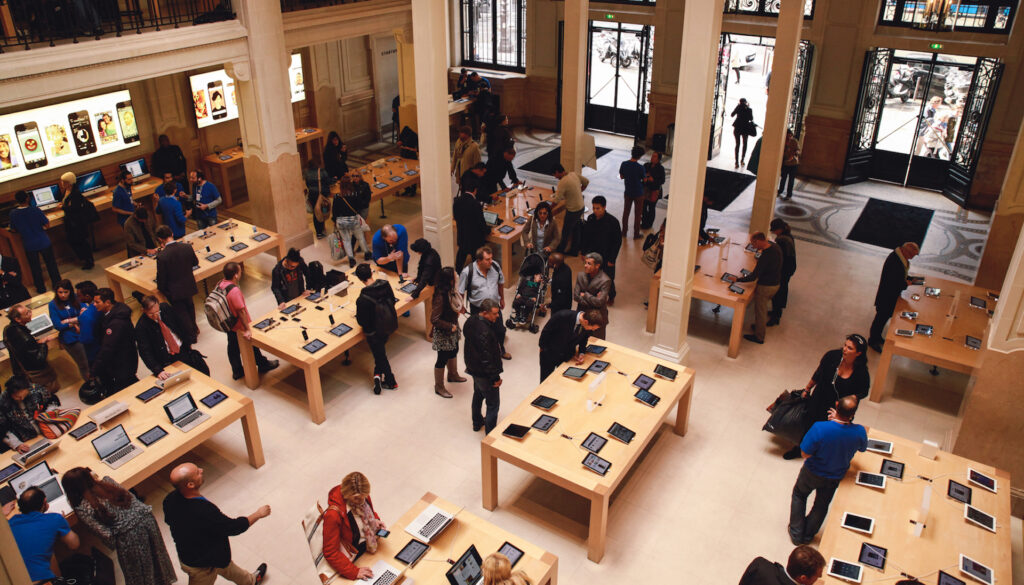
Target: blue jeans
{"type": "Point", "coordinates": [484, 390]}
{"type": "Point", "coordinates": [803, 528]}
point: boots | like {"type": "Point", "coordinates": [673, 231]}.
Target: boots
{"type": "Point", "coordinates": [453, 371]}
{"type": "Point", "coordinates": [774, 317]}
{"type": "Point", "coordinates": [439, 388]}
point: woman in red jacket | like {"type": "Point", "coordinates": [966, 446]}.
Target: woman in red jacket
{"type": "Point", "coordinates": [350, 526]}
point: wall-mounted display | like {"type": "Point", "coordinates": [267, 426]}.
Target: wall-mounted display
{"type": "Point", "coordinates": [213, 98]}
{"type": "Point", "coordinates": [55, 136]}
{"type": "Point", "coordinates": [295, 79]}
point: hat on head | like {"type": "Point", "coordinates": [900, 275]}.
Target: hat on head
{"type": "Point", "coordinates": [69, 178]}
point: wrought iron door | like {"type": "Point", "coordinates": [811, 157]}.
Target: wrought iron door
{"type": "Point", "coordinates": [863, 133]}
{"type": "Point", "coordinates": [801, 78]}
{"type": "Point", "coordinates": [964, 161]}
{"type": "Point", "coordinates": [718, 103]}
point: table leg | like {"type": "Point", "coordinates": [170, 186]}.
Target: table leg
{"type": "Point", "coordinates": [736, 333]}
{"type": "Point", "coordinates": [252, 374]}
{"type": "Point", "coordinates": [881, 375]}
{"type": "Point", "coordinates": [116, 287]}
{"type": "Point", "coordinates": [683, 409]}
{"type": "Point", "coordinates": [506, 263]}
{"type": "Point", "coordinates": [226, 189]}
{"type": "Point", "coordinates": [315, 393]}
{"type": "Point", "coordinates": [489, 471]}
{"type": "Point", "coordinates": [598, 526]}
{"type": "Point", "coordinates": [653, 296]}
{"type": "Point", "coordinates": [251, 431]}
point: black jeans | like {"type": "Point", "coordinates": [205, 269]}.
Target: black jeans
{"type": "Point", "coordinates": [741, 138]}
{"type": "Point", "coordinates": [571, 232]}
{"type": "Point", "coordinates": [235, 356]}
{"type": "Point", "coordinates": [485, 391]}
{"type": "Point", "coordinates": [787, 179]}
{"type": "Point", "coordinates": [114, 384]}
{"type": "Point", "coordinates": [882, 315]}
{"type": "Point", "coordinates": [381, 366]}
{"type": "Point", "coordinates": [37, 271]}
{"type": "Point", "coordinates": [81, 246]}
{"type": "Point", "coordinates": [610, 271]}
{"type": "Point", "coordinates": [802, 528]}
{"type": "Point", "coordinates": [781, 298]}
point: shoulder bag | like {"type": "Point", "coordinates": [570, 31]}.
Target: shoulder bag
{"type": "Point", "coordinates": [362, 222]}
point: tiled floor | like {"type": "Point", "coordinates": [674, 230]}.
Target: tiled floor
{"type": "Point", "coordinates": [696, 509]}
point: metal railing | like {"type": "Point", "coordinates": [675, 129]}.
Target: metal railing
{"type": "Point", "coordinates": [33, 23]}
{"type": "Point", "coordinates": [293, 5]}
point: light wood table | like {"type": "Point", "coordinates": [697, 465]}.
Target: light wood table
{"type": "Point", "coordinates": [559, 460]}
{"type": "Point", "coordinates": [40, 305]}
{"type": "Point", "coordinates": [387, 176]}
{"type": "Point", "coordinates": [142, 417]}
{"type": "Point", "coordinates": [285, 338]}
{"type": "Point", "coordinates": [467, 529]}
{"type": "Point", "coordinates": [953, 320]}
{"type": "Point", "coordinates": [946, 533]}
{"type": "Point", "coordinates": [142, 278]}
{"type": "Point", "coordinates": [459, 106]}
{"type": "Point", "coordinates": [221, 164]}
{"type": "Point", "coordinates": [510, 206]}
{"type": "Point", "coordinates": [104, 200]}
{"type": "Point", "coordinates": [709, 286]}
{"type": "Point", "coordinates": [309, 135]}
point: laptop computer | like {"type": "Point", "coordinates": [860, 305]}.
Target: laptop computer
{"type": "Point", "coordinates": [40, 325]}
{"type": "Point", "coordinates": [467, 570]}
{"type": "Point", "coordinates": [35, 451]}
{"type": "Point", "coordinates": [108, 412]}
{"type": "Point", "coordinates": [46, 197]}
{"type": "Point", "coordinates": [175, 379]}
{"type": "Point", "coordinates": [384, 573]}
{"type": "Point", "coordinates": [137, 168]}
{"type": "Point", "coordinates": [431, 522]}
{"type": "Point", "coordinates": [115, 448]}
{"type": "Point", "coordinates": [183, 412]}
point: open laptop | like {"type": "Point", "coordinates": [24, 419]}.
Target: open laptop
{"type": "Point", "coordinates": [175, 379]}
{"type": "Point", "coordinates": [40, 325]}
{"type": "Point", "coordinates": [42, 477]}
{"type": "Point", "coordinates": [46, 197]}
{"type": "Point", "coordinates": [467, 570]}
{"type": "Point", "coordinates": [115, 448]}
{"type": "Point", "coordinates": [183, 412]}
{"type": "Point", "coordinates": [431, 522]}
{"type": "Point", "coordinates": [91, 182]}
{"type": "Point", "coordinates": [35, 451]}
{"type": "Point", "coordinates": [384, 573]}
{"type": "Point", "coordinates": [137, 168]}
{"type": "Point", "coordinates": [108, 412]}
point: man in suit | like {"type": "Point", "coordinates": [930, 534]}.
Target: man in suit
{"type": "Point", "coordinates": [471, 229]}
{"type": "Point", "coordinates": [162, 339]}
{"type": "Point", "coordinates": [592, 290]}
{"type": "Point", "coordinates": [564, 332]}
{"type": "Point", "coordinates": [804, 567]}
{"type": "Point", "coordinates": [174, 279]}
{"type": "Point", "coordinates": [561, 283]}
{"type": "Point", "coordinates": [493, 180]}
{"type": "Point", "coordinates": [894, 280]}
{"type": "Point", "coordinates": [768, 274]}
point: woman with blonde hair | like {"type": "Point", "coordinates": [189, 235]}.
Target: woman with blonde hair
{"type": "Point", "coordinates": [496, 569]}
{"type": "Point", "coordinates": [351, 526]}
{"type": "Point", "coordinates": [518, 578]}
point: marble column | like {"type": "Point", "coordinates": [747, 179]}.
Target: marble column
{"type": "Point", "coordinates": [702, 26]}
{"type": "Point", "coordinates": [780, 91]}
{"type": "Point", "coordinates": [12, 566]}
{"type": "Point", "coordinates": [1007, 221]}
{"type": "Point", "coordinates": [574, 83]}
{"type": "Point", "coordinates": [273, 172]}
{"type": "Point", "coordinates": [430, 56]}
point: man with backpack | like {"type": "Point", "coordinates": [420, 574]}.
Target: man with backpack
{"type": "Point", "coordinates": [375, 313]}
{"type": "Point", "coordinates": [226, 311]}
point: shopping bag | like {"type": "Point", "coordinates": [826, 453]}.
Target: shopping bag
{"type": "Point", "coordinates": [787, 418]}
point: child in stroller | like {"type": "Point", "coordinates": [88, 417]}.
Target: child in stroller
{"type": "Point", "coordinates": [529, 293]}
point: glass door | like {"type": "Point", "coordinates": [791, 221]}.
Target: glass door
{"type": "Point", "coordinates": [718, 103]}
{"type": "Point", "coordinates": [617, 77]}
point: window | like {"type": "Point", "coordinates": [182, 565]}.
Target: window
{"type": "Point", "coordinates": [494, 34]}
{"type": "Point", "coordinates": [988, 16]}
{"type": "Point", "coordinates": [763, 7]}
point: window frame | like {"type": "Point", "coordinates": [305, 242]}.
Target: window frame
{"type": "Point", "coordinates": [762, 9]}
{"type": "Point", "coordinates": [987, 28]}
{"type": "Point", "coordinates": [468, 38]}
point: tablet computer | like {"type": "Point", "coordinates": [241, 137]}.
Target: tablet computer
{"type": "Point", "coordinates": [290, 309]}
{"type": "Point", "coordinates": [750, 248]}
{"type": "Point", "coordinates": [930, 291]}
{"type": "Point", "coordinates": [340, 329]}
{"type": "Point", "coordinates": [150, 394]}
{"type": "Point", "coordinates": [260, 236]}
{"type": "Point", "coordinates": [873, 556]}
{"type": "Point", "coordinates": [665, 372]}
{"type": "Point", "coordinates": [959, 492]}
{"type": "Point", "coordinates": [905, 332]}
{"type": "Point", "coordinates": [981, 480]}
{"type": "Point", "coordinates": [737, 289]}
{"type": "Point", "coordinates": [213, 398]}
{"type": "Point", "coordinates": [11, 470]}
{"type": "Point", "coordinates": [512, 553]}
{"type": "Point", "coordinates": [263, 324]}
{"type": "Point", "coordinates": [238, 246]}
{"type": "Point", "coordinates": [596, 464]}
{"type": "Point", "coordinates": [893, 469]}
{"type": "Point", "coordinates": [520, 220]}
{"type": "Point", "coordinates": [728, 277]}
{"type": "Point", "coordinates": [408, 288]}
{"type": "Point", "coordinates": [858, 523]}
{"type": "Point", "coordinates": [544, 423]}
{"type": "Point", "coordinates": [380, 185]}
{"type": "Point", "coordinates": [909, 315]}
{"type": "Point", "coordinates": [215, 257]}
{"type": "Point", "coordinates": [924, 330]}
{"type": "Point", "coordinates": [647, 398]}
{"type": "Point", "coordinates": [845, 570]}
{"type": "Point", "coordinates": [594, 443]}
{"type": "Point", "coordinates": [879, 446]}
{"type": "Point", "coordinates": [979, 303]}
{"type": "Point", "coordinates": [973, 568]}
{"type": "Point", "coordinates": [872, 480]}
{"type": "Point", "coordinates": [947, 579]}
{"type": "Point", "coordinates": [621, 433]}
{"type": "Point", "coordinates": [314, 296]}
{"type": "Point", "coordinates": [506, 229]}
{"type": "Point", "coordinates": [152, 435]}
{"type": "Point", "coordinates": [515, 431]}
{"type": "Point", "coordinates": [596, 349]}
{"type": "Point", "coordinates": [574, 373]}
{"type": "Point", "coordinates": [411, 553]}
{"type": "Point", "coordinates": [643, 382]}
{"type": "Point", "coordinates": [411, 173]}
{"type": "Point", "coordinates": [314, 346]}
{"type": "Point", "coordinates": [972, 343]}
{"type": "Point", "coordinates": [83, 431]}
{"type": "Point", "coordinates": [397, 179]}
{"type": "Point", "coordinates": [544, 402]}
{"type": "Point", "coordinates": [976, 516]}
{"type": "Point", "coordinates": [598, 366]}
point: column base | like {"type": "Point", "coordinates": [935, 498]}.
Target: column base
{"type": "Point", "coordinates": [675, 355]}
{"type": "Point", "coordinates": [275, 191]}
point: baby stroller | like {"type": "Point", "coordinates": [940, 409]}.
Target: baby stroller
{"type": "Point", "coordinates": [533, 285]}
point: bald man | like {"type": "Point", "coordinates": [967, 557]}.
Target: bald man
{"type": "Point", "coordinates": [200, 531]}
{"type": "Point", "coordinates": [894, 280]}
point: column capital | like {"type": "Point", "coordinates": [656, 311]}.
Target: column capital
{"type": "Point", "coordinates": [239, 70]}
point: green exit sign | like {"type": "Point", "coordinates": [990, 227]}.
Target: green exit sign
{"type": "Point", "coordinates": [935, 46]}
{"type": "Point", "coordinates": [610, 16]}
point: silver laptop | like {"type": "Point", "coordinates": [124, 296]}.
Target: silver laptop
{"type": "Point", "coordinates": [431, 522]}
{"type": "Point", "coordinates": [40, 325]}
{"type": "Point", "coordinates": [175, 379]}
{"type": "Point", "coordinates": [491, 218]}
{"type": "Point", "coordinates": [115, 448]}
{"type": "Point", "coordinates": [384, 573]}
{"type": "Point", "coordinates": [35, 451]}
{"type": "Point", "coordinates": [137, 168]}
{"type": "Point", "coordinates": [183, 412]}
{"type": "Point", "coordinates": [108, 412]}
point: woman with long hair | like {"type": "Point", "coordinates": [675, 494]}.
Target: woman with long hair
{"type": "Point", "coordinates": [350, 526]}
{"type": "Point", "coordinates": [335, 156]}
{"type": "Point", "coordinates": [347, 219]}
{"type": "Point", "coordinates": [64, 311]}
{"type": "Point", "coordinates": [123, 523]}
{"type": "Point", "coordinates": [444, 316]}
{"type": "Point", "coordinates": [541, 233]}
{"type": "Point", "coordinates": [742, 127]}
{"type": "Point", "coordinates": [496, 568]}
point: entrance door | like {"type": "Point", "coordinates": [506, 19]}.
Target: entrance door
{"type": "Point", "coordinates": [801, 78]}
{"type": "Point", "coordinates": [617, 78]}
{"type": "Point", "coordinates": [865, 122]}
{"type": "Point", "coordinates": [974, 121]}
{"type": "Point", "coordinates": [718, 103]}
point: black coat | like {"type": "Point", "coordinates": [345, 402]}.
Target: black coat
{"type": "Point", "coordinates": [168, 159]}
{"type": "Point", "coordinates": [12, 291]}
{"type": "Point", "coordinates": [281, 277]}
{"type": "Point", "coordinates": [174, 271]}
{"type": "Point", "coordinates": [826, 393]}
{"type": "Point", "coordinates": [471, 229]}
{"type": "Point", "coordinates": [494, 179]}
{"type": "Point", "coordinates": [426, 271]}
{"type": "Point", "coordinates": [118, 356]}
{"type": "Point", "coordinates": [559, 337]}
{"type": "Point", "coordinates": [561, 288]}
{"type": "Point", "coordinates": [152, 348]}
{"type": "Point", "coordinates": [78, 213]}
{"type": "Point", "coordinates": [482, 350]}
{"type": "Point", "coordinates": [378, 291]}
{"type": "Point", "coordinates": [603, 236]}
{"type": "Point", "coordinates": [761, 571]}
{"type": "Point", "coordinates": [892, 282]}
{"type": "Point", "coordinates": [27, 353]}
{"type": "Point", "coordinates": [335, 160]}
{"type": "Point", "coordinates": [200, 530]}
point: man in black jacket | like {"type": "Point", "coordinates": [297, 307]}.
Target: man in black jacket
{"type": "Point", "coordinates": [804, 567]}
{"type": "Point", "coordinates": [471, 180]}
{"type": "Point", "coordinates": [894, 280]}
{"type": "Point", "coordinates": [118, 357]}
{"type": "Point", "coordinates": [494, 180]}
{"type": "Point", "coordinates": [174, 278]}
{"type": "Point", "coordinates": [200, 531]}
{"type": "Point", "coordinates": [654, 180]}
{"type": "Point", "coordinates": [28, 356]}
{"type": "Point", "coordinates": [561, 283]}
{"type": "Point", "coordinates": [11, 289]}
{"type": "Point", "coordinates": [471, 229]}
{"type": "Point", "coordinates": [162, 340]}
{"type": "Point", "coordinates": [768, 274]}
{"type": "Point", "coordinates": [288, 278]}
{"type": "Point", "coordinates": [482, 354]}
{"type": "Point", "coordinates": [169, 159]}
{"type": "Point", "coordinates": [375, 313]}
{"type": "Point", "coordinates": [428, 268]}
{"type": "Point", "coordinates": [564, 332]}
{"type": "Point", "coordinates": [602, 234]}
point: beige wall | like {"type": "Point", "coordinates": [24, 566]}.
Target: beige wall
{"type": "Point", "coordinates": [343, 88]}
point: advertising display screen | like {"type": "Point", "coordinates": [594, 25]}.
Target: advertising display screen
{"type": "Point", "coordinates": [51, 137]}
{"type": "Point", "coordinates": [213, 98]}
{"type": "Point", "coordinates": [295, 79]}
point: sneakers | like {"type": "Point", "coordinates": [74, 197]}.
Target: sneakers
{"type": "Point", "coordinates": [261, 573]}
{"type": "Point", "coordinates": [388, 382]}
{"type": "Point", "coordinates": [376, 385]}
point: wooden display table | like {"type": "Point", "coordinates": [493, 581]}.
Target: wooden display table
{"type": "Point", "coordinates": [388, 176]}
{"type": "Point", "coordinates": [465, 530]}
{"type": "Point", "coordinates": [709, 286]}
{"type": "Point", "coordinates": [142, 278]}
{"type": "Point", "coordinates": [285, 340]}
{"type": "Point", "coordinates": [142, 417]}
{"type": "Point", "coordinates": [459, 106]}
{"type": "Point", "coordinates": [313, 137]}
{"type": "Point", "coordinates": [220, 164]}
{"type": "Point", "coordinates": [559, 460]}
{"type": "Point", "coordinates": [953, 320]}
{"type": "Point", "coordinates": [40, 305]}
{"type": "Point", "coordinates": [946, 533]}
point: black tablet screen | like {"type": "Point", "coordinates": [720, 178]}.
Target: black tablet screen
{"type": "Point", "coordinates": [314, 346]}
{"type": "Point", "coordinates": [892, 468]}
{"type": "Point", "coordinates": [511, 552]}
{"type": "Point", "coordinates": [665, 372]}
{"type": "Point", "coordinates": [596, 464]}
{"type": "Point", "coordinates": [290, 309]}
{"type": "Point", "coordinates": [214, 398]}
{"type": "Point", "coordinates": [152, 436]}
{"type": "Point", "coordinates": [871, 479]}
{"type": "Point", "coordinates": [544, 422]}
{"type": "Point", "coordinates": [643, 382]}
{"type": "Point", "coordinates": [341, 329]}
{"type": "Point", "coordinates": [857, 522]}
{"type": "Point", "coordinates": [621, 433]}
{"type": "Point", "coordinates": [598, 366]}
{"type": "Point", "coordinates": [959, 492]}
{"type": "Point", "coordinates": [544, 402]}
{"type": "Point", "coordinates": [149, 394]}
{"type": "Point", "coordinates": [263, 324]}
{"type": "Point", "coordinates": [594, 443]}
{"type": "Point", "coordinates": [515, 431]}
{"type": "Point", "coordinates": [411, 552]}
{"type": "Point", "coordinates": [873, 556]}
{"type": "Point", "coordinates": [574, 373]}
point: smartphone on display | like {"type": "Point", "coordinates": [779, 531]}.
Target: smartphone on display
{"type": "Point", "coordinates": [81, 130]}
{"type": "Point", "coordinates": [126, 115]}
{"type": "Point", "coordinates": [218, 102]}
{"type": "Point", "coordinates": [32, 151]}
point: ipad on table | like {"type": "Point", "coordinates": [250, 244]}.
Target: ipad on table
{"type": "Point", "coordinates": [873, 556]}
{"type": "Point", "coordinates": [506, 229]}
{"type": "Point", "coordinates": [924, 330]}
{"type": "Point", "coordinates": [880, 446]}
{"type": "Point", "coordinates": [215, 257]}
{"type": "Point", "coordinates": [973, 568]}
{"type": "Point", "coordinates": [598, 366]}
{"type": "Point", "coordinates": [544, 402]}
{"type": "Point", "coordinates": [83, 431]}
{"type": "Point", "coordinates": [972, 343]}
{"type": "Point", "coordinates": [152, 435]}
{"type": "Point", "coordinates": [981, 480]}
{"type": "Point", "coordinates": [893, 469]}
{"type": "Point", "coordinates": [905, 332]}
{"type": "Point", "coordinates": [11, 470]}
{"type": "Point", "coordinates": [845, 570]}
{"type": "Point", "coordinates": [408, 288]}
{"type": "Point", "coordinates": [412, 552]}
{"type": "Point", "coordinates": [238, 246]}
{"type": "Point", "coordinates": [594, 443]}
{"type": "Point", "coordinates": [930, 291]}
{"type": "Point", "coordinates": [947, 579]}
{"type": "Point", "coordinates": [979, 303]}
{"type": "Point", "coordinates": [909, 315]}
{"type": "Point", "coordinates": [314, 346]}
{"type": "Point", "coordinates": [596, 464]}
{"type": "Point", "coordinates": [976, 516]}
{"type": "Point", "coordinates": [737, 289]}
{"type": "Point", "coordinates": [263, 324]}
{"type": "Point", "coordinates": [596, 349]}
{"type": "Point", "coordinates": [643, 382]}
{"type": "Point", "coordinates": [260, 236]}
{"type": "Point", "coordinates": [574, 373]}
{"type": "Point", "coordinates": [647, 398]}
{"type": "Point", "coordinates": [728, 277]}
{"type": "Point", "coordinates": [621, 433]}
{"type": "Point", "coordinates": [512, 553]}
{"type": "Point", "coordinates": [959, 492]}
{"type": "Point", "coordinates": [340, 329]}
{"type": "Point", "coordinates": [150, 394]}
{"type": "Point", "coordinates": [515, 431]}
{"type": "Point", "coordinates": [665, 372]}
{"type": "Point", "coordinates": [872, 480]}
{"type": "Point", "coordinates": [290, 309]}
{"type": "Point", "coordinates": [858, 523]}
{"type": "Point", "coordinates": [544, 423]}
{"type": "Point", "coordinates": [213, 398]}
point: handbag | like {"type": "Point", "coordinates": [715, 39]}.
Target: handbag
{"type": "Point", "coordinates": [362, 222]}
{"type": "Point", "coordinates": [56, 422]}
{"type": "Point", "coordinates": [751, 129]}
{"type": "Point", "coordinates": [788, 415]}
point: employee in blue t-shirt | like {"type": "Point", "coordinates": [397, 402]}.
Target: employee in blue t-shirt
{"type": "Point", "coordinates": [30, 223]}
{"type": "Point", "coordinates": [828, 449]}
{"type": "Point", "coordinates": [122, 204]}
{"type": "Point", "coordinates": [632, 174]}
{"type": "Point", "coordinates": [207, 198]}
{"type": "Point", "coordinates": [169, 206]}
{"type": "Point", "coordinates": [36, 531]}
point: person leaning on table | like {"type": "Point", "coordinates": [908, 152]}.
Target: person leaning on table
{"type": "Point", "coordinates": [350, 526]}
{"type": "Point", "coordinates": [36, 531]}
{"type": "Point", "coordinates": [894, 280]}
{"type": "Point", "coordinates": [565, 332]}
{"type": "Point", "coordinates": [18, 403]}
{"type": "Point", "coordinates": [28, 355]}
{"type": "Point", "coordinates": [768, 274]}
{"type": "Point", "coordinates": [804, 567]}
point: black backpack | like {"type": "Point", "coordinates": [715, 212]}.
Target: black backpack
{"type": "Point", "coordinates": [316, 279]}
{"type": "Point", "coordinates": [385, 318]}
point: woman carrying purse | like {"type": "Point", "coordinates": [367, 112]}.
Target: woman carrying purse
{"type": "Point", "coordinates": [348, 221]}
{"type": "Point", "coordinates": [444, 316]}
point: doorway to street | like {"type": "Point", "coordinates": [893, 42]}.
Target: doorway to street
{"type": "Point", "coordinates": [618, 77]}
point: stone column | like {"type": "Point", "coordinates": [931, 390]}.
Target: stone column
{"type": "Point", "coordinates": [702, 26]}
{"type": "Point", "coordinates": [1007, 221]}
{"type": "Point", "coordinates": [430, 56]}
{"type": "Point", "coordinates": [780, 91]}
{"type": "Point", "coordinates": [574, 83]}
{"type": "Point", "coordinates": [12, 566]}
{"type": "Point", "coordinates": [273, 172]}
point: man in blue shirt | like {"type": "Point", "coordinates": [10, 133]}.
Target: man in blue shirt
{"type": "Point", "coordinates": [828, 447]}
{"type": "Point", "coordinates": [87, 319]}
{"type": "Point", "coordinates": [169, 206]}
{"type": "Point", "coordinates": [207, 198]}
{"type": "Point", "coordinates": [30, 223]}
{"type": "Point", "coordinates": [36, 531]}
{"type": "Point", "coordinates": [632, 174]}
{"type": "Point", "coordinates": [122, 204]}
{"type": "Point", "coordinates": [391, 248]}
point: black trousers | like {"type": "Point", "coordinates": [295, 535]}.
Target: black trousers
{"type": "Point", "coordinates": [464, 251]}
{"type": "Point", "coordinates": [610, 271]}
{"type": "Point", "coordinates": [80, 245]}
{"type": "Point", "coordinates": [235, 356]}
{"type": "Point", "coordinates": [381, 366]}
{"type": "Point", "coordinates": [185, 310]}
{"type": "Point", "coordinates": [882, 315]}
{"type": "Point", "coordinates": [781, 297]}
{"type": "Point", "coordinates": [37, 271]}
{"type": "Point", "coordinates": [571, 232]}
{"type": "Point", "coordinates": [114, 384]}
{"type": "Point", "coordinates": [787, 179]}
{"type": "Point", "coordinates": [484, 391]}
{"type": "Point", "coordinates": [648, 214]}
{"type": "Point", "coordinates": [549, 362]}
{"type": "Point", "coordinates": [318, 226]}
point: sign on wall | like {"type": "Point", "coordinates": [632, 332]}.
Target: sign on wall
{"type": "Point", "coordinates": [55, 136]}
{"type": "Point", "coordinates": [213, 98]}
